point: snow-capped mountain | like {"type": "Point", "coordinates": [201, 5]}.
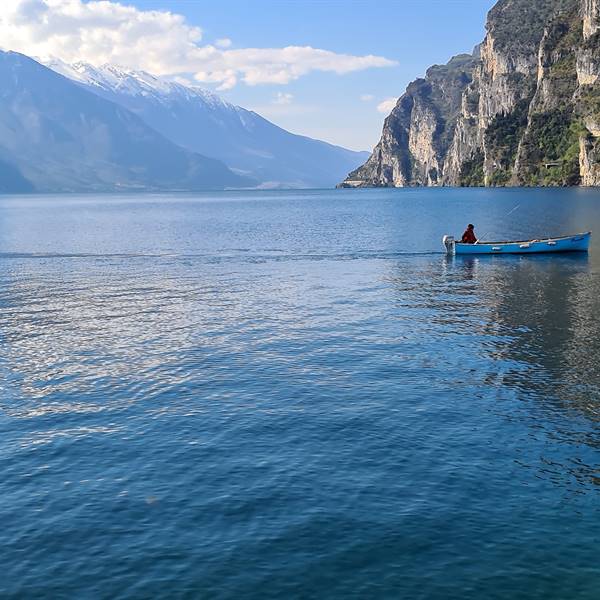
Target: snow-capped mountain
{"type": "Point", "coordinates": [110, 78]}
{"type": "Point", "coordinates": [56, 136]}
{"type": "Point", "coordinates": [203, 122]}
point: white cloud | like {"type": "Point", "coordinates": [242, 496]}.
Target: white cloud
{"type": "Point", "coordinates": [161, 42]}
{"type": "Point", "coordinates": [283, 98]}
{"type": "Point", "coordinates": [367, 97]}
{"type": "Point", "coordinates": [387, 105]}
{"type": "Point", "coordinates": [177, 79]}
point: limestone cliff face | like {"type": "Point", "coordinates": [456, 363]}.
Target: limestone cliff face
{"type": "Point", "coordinates": [591, 17]}
{"type": "Point", "coordinates": [419, 130]}
{"type": "Point", "coordinates": [502, 85]}
{"type": "Point", "coordinates": [588, 96]}
{"type": "Point", "coordinates": [524, 109]}
{"type": "Point", "coordinates": [588, 55]}
{"type": "Point", "coordinates": [589, 159]}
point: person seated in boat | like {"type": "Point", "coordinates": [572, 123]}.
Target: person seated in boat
{"type": "Point", "coordinates": [469, 235]}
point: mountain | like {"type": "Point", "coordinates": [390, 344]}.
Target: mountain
{"type": "Point", "coordinates": [524, 109]}
{"type": "Point", "coordinates": [419, 131]}
{"type": "Point", "coordinates": [202, 122]}
{"type": "Point", "coordinates": [56, 136]}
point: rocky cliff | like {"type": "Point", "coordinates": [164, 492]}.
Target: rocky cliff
{"type": "Point", "coordinates": [523, 109]}
{"type": "Point", "coordinates": [419, 131]}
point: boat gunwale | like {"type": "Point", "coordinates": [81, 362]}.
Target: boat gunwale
{"type": "Point", "coordinates": [535, 241]}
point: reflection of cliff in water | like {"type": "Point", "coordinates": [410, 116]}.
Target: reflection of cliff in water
{"type": "Point", "coordinates": [547, 307]}
{"type": "Point", "coordinates": [543, 319]}
{"type": "Point", "coordinates": [520, 333]}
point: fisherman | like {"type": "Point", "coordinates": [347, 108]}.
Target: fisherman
{"type": "Point", "coordinates": [469, 235]}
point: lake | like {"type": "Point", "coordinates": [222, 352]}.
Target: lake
{"type": "Point", "coordinates": [298, 395]}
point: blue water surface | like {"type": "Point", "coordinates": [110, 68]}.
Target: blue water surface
{"type": "Point", "coordinates": [298, 395]}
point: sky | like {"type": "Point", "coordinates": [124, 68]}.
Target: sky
{"type": "Point", "coordinates": [328, 69]}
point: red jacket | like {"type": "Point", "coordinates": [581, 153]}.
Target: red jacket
{"type": "Point", "coordinates": [468, 237]}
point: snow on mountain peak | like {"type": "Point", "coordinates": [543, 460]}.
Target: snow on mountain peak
{"type": "Point", "coordinates": [133, 82]}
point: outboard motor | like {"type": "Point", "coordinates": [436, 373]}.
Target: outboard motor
{"type": "Point", "coordinates": [448, 241]}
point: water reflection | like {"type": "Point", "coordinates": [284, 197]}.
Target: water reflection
{"type": "Point", "coordinates": [104, 347]}
{"type": "Point", "coordinates": [91, 339]}
{"type": "Point", "coordinates": [98, 338]}
{"type": "Point", "coordinates": [541, 317]}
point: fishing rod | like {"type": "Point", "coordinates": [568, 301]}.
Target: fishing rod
{"type": "Point", "coordinates": [507, 215]}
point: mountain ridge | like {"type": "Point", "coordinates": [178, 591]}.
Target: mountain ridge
{"type": "Point", "coordinates": [57, 137]}
{"type": "Point", "coordinates": [203, 122]}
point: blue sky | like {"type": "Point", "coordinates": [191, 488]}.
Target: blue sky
{"type": "Point", "coordinates": [415, 33]}
{"type": "Point", "coordinates": [316, 67]}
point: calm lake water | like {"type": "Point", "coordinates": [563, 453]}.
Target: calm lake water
{"type": "Point", "coordinates": [297, 395]}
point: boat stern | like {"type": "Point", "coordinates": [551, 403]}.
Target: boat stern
{"type": "Point", "coordinates": [449, 243]}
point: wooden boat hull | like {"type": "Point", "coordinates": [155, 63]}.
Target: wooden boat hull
{"type": "Point", "coordinates": [572, 243]}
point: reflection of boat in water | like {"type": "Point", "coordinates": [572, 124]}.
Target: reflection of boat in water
{"type": "Point", "coordinates": [570, 243]}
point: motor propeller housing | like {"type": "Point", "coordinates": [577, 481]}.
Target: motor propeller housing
{"type": "Point", "coordinates": [449, 242]}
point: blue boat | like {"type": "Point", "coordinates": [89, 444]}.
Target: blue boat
{"type": "Point", "coordinates": [570, 243]}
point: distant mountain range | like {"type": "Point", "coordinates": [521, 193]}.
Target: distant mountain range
{"type": "Point", "coordinates": [79, 128]}
{"type": "Point", "coordinates": [55, 136]}
{"type": "Point", "coordinates": [202, 122]}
